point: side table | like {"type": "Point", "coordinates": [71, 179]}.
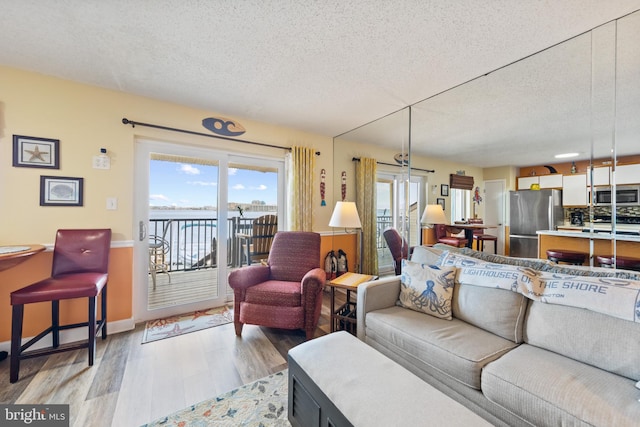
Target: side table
{"type": "Point", "coordinates": [344, 317]}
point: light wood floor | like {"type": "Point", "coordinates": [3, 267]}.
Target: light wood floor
{"type": "Point", "coordinates": [132, 383]}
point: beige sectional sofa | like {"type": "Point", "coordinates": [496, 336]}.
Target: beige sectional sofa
{"type": "Point", "coordinates": [516, 356]}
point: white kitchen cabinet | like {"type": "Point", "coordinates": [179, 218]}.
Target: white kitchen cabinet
{"type": "Point", "coordinates": [524, 182]}
{"type": "Point", "coordinates": [627, 174]}
{"type": "Point", "coordinates": [574, 190]}
{"type": "Point", "coordinates": [601, 176]}
{"type": "Point", "coordinates": [551, 181]}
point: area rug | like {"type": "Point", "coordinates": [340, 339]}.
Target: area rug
{"type": "Point", "coordinates": [261, 403]}
{"type": "Point", "coordinates": [185, 323]}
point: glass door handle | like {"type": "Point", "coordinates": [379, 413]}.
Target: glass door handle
{"type": "Point", "coordinates": [142, 231]}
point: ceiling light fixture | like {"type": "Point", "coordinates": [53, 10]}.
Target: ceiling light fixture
{"type": "Point", "coordinates": [566, 155]}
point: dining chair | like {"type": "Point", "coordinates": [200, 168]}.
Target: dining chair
{"type": "Point", "coordinates": [479, 236]}
{"type": "Point", "coordinates": [79, 270]}
{"type": "Point", "coordinates": [442, 236]}
{"type": "Point", "coordinates": [398, 247]}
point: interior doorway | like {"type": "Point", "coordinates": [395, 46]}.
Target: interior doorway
{"type": "Point", "coordinates": [495, 210]}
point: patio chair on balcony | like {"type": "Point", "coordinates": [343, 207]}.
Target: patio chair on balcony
{"type": "Point", "coordinates": [159, 248]}
{"type": "Point", "coordinates": [256, 246]}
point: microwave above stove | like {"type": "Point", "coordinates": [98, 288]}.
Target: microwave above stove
{"type": "Point", "coordinates": [626, 195]}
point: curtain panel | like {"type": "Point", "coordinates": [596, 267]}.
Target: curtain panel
{"type": "Point", "coordinates": [366, 170]}
{"type": "Point", "coordinates": [302, 171]}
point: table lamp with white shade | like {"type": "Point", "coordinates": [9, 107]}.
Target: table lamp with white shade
{"type": "Point", "coordinates": [345, 215]}
{"type": "Point", "coordinates": [433, 214]}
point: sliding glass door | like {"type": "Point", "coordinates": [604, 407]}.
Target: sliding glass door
{"type": "Point", "coordinates": [400, 205]}
{"type": "Point", "coordinates": [192, 206]}
{"type": "Point", "coordinates": [179, 227]}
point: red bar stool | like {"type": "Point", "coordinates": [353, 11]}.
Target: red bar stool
{"type": "Point", "coordinates": [480, 238]}
{"type": "Point", "coordinates": [79, 270]}
{"type": "Point", "coordinates": [563, 255]}
{"type": "Point", "coordinates": [626, 263]}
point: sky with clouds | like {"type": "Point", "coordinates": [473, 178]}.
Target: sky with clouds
{"type": "Point", "coordinates": [195, 185]}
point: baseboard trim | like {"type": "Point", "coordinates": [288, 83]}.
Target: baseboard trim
{"type": "Point", "coordinates": [73, 335]}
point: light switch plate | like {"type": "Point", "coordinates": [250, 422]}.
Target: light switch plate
{"type": "Point", "coordinates": [112, 203]}
{"type": "Point", "coordinates": [101, 162]}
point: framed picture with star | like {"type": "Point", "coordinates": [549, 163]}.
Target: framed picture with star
{"type": "Point", "coordinates": [32, 152]}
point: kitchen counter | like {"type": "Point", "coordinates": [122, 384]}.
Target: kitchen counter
{"type": "Point", "coordinates": [579, 233]}
{"type": "Point", "coordinates": [625, 245]}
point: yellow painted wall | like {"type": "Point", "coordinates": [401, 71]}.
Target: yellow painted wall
{"type": "Point", "coordinates": [86, 118]}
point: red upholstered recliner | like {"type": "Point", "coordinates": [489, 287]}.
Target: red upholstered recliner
{"type": "Point", "coordinates": [398, 246]}
{"type": "Point", "coordinates": [287, 292]}
{"type": "Point", "coordinates": [79, 270]}
{"type": "Point", "coordinates": [443, 237]}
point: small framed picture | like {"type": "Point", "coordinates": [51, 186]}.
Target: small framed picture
{"type": "Point", "coordinates": [61, 191]}
{"type": "Point", "coordinates": [440, 201]}
{"type": "Point", "coordinates": [32, 152]}
{"type": "Point", "coordinates": [444, 190]}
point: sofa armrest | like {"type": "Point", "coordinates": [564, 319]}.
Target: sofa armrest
{"type": "Point", "coordinates": [375, 295]}
{"type": "Point", "coordinates": [246, 277]}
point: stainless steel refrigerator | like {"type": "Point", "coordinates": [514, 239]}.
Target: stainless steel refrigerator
{"type": "Point", "coordinates": [530, 211]}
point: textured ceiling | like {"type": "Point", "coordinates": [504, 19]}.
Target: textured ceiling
{"type": "Point", "coordinates": [320, 66]}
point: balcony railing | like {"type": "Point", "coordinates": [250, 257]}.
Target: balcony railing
{"type": "Point", "coordinates": [191, 243]}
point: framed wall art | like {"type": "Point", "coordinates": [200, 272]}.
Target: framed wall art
{"type": "Point", "coordinates": [32, 152]}
{"type": "Point", "coordinates": [61, 191]}
{"type": "Point", "coordinates": [444, 190]}
{"type": "Point", "coordinates": [440, 201]}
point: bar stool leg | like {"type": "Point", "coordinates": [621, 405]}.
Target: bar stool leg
{"type": "Point", "coordinates": [16, 340]}
{"type": "Point", "coordinates": [55, 323]}
{"type": "Point", "coordinates": [103, 308]}
{"type": "Point", "coordinates": [92, 328]}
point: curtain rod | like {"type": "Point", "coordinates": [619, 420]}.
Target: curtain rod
{"type": "Point", "coordinates": [357, 159]}
{"type": "Point", "coordinates": [126, 121]}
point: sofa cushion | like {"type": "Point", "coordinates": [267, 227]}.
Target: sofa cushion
{"type": "Point", "coordinates": [596, 339]}
{"type": "Point", "coordinates": [427, 289]}
{"type": "Point", "coordinates": [548, 389]}
{"type": "Point", "coordinates": [608, 295]}
{"type": "Point", "coordinates": [579, 270]}
{"type": "Point", "coordinates": [499, 311]}
{"type": "Point", "coordinates": [426, 255]}
{"type": "Point", "coordinates": [455, 348]}
{"type": "Point", "coordinates": [543, 264]}
{"type": "Point", "coordinates": [495, 310]}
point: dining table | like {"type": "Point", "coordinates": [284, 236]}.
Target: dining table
{"type": "Point", "coordinates": [12, 255]}
{"type": "Point", "coordinates": [468, 229]}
